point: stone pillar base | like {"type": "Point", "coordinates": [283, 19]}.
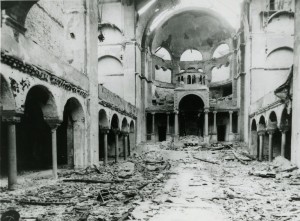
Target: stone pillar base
{"type": "Point", "coordinates": [231, 137]}
{"type": "Point", "coordinates": [153, 138]}
{"type": "Point", "coordinates": [214, 138]}
{"type": "Point", "coordinates": [206, 139]}
{"type": "Point", "coordinates": [176, 138]}
{"type": "Point", "coordinates": [168, 137]}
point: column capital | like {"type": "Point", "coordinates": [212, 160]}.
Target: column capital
{"type": "Point", "coordinates": [206, 111]}
{"type": "Point", "coordinates": [215, 112]}
{"type": "Point", "coordinates": [124, 133]}
{"type": "Point", "coordinates": [11, 119]}
{"type": "Point", "coordinates": [153, 113]}
{"type": "Point", "coordinates": [53, 123]}
{"type": "Point", "coordinates": [261, 132]}
{"type": "Point", "coordinates": [104, 130]}
{"type": "Point", "coordinates": [230, 112]}
{"type": "Point", "coordinates": [168, 113]}
{"type": "Point", "coordinates": [271, 131]}
{"type": "Point", "coordinates": [176, 112]}
{"type": "Point", "coordinates": [115, 131]}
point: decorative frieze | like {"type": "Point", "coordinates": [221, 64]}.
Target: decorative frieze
{"type": "Point", "coordinates": [41, 74]}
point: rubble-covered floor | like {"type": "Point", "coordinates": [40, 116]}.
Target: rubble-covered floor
{"type": "Point", "coordinates": [165, 181]}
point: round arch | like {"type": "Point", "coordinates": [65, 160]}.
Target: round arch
{"type": "Point", "coordinates": [103, 119]}
{"type": "Point", "coordinates": [191, 55]}
{"type": "Point", "coordinates": [40, 95]}
{"type": "Point", "coordinates": [221, 50]}
{"type": "Point", "coordinates": [253, 125]}
{"type": "Point", "coordinates": [205, 101]}
{"type": "Point", "coordinates": [125, 125]}
{"type": "Point", "coordinates": [115, 122]}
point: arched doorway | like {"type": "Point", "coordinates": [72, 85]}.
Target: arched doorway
{"type": "Point", "coordinates": [124, 138]}
{"type": "Point", "coordinates": [34, 137]}
{"type": "Point", "coordinates": [103, 130]}
{"type": "Point", "coordinates": [70, 135]}
{"type": "Point", "coordinates": [191, 118]}
{"type": "Point", "coordinates": [274, 135]}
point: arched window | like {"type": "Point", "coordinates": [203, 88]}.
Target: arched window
{"type": "Point", "coordinates": [110, 74]}
{"type": "Point", "coordinates": [182, 78]}
{"type": "Point", "coordinates": [191, 55]}
{"type": "Point", "coordinates": [221, 50]}
{"type": "Point", "coordinates": [194, 79]}
{"type": "Point", "coordinates": [163, 54]}
{"type": "Point", "coordinates": [189, 80]}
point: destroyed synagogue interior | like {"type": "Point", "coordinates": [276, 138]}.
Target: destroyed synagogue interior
{"type": "Point", "coordinates": [155, 110]}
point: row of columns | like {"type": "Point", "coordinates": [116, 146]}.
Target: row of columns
{"type": "Point", "coordinates": [176, 123]}
{"type": "Point", "coordinates": [116, 132]}
{"type": "Point", "coordinates": [12, 148]}
{"type": "Point", "coordinates": [271, 132]}
{"type": "Point", "coordinates": [197, 80]}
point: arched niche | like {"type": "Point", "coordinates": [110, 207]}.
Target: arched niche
{"type": "Point", "coordinates": [220, 74]}
{"type": "Point", "coordinates": [110, 74]}
{"type": "Point", "coordinates": [221, 50]}
{"type": "Point", "coordinates": [112, 35]}
{"type": "Point", "coordinates": [281, 22]}
{"type": "Point", "coordinates": [275, 58]}
{"type": "Point", "coordinates": [191, 55]}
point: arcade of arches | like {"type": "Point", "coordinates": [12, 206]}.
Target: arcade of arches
{"type": "Point", "coordinates": [85, 82]}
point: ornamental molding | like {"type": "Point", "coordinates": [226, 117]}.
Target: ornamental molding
{"type": "Point", "coordinates": [41, 74]}
{"type": "Point", "coordinates": [117, 109]}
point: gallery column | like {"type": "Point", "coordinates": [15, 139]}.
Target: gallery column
{"type": "Point", "coordinates": [54, 125]}
{"type": "Point", "coordinates": [153, 128]}
{"type": "Point", "coordinates": [12, 151]}
{"type": "Point", "coordinates": [283, 142]}
{"type": "Point", "coordinates": [261, 135]}
{"type": "Point", "coordinates": [176, 135]}
{"type": "Point", "coordinates": [215, 133]}
{"type": "Point", "coordinates": [206, 138]}
{"type": "Point", "coordinates": [271, 132]}
{"type": "Point", "coordinates": [168, 126]}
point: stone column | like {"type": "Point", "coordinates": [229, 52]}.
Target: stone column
{"type": "Point", "coordinates": [231, 135]}
{"type": "Point", "coordinates": [283, 142]}
{"type": "Point", "coordinates": [271, 132]}
{"type": "Point", "coordinates": [261, 135]}
{"type": "Point", "coordinates": [153, 128]}
{"type": "Point", "coordinates": [238, 123]}
{"type": "Point", "coordinates": [54, 151]}
{"type": "Point", "coordinates": [105, 146]}
{"type": "Point", "coordinates": [230, 121]}
{"type": "Point", "coordinates": [168, 126]}
{"type": "Point", "coordinates": [125, 145]}
{"type": "Point", "coordinates": [116, 132]}
{"type": "Point", "coordinates": [215, 133]}
{"type": "Point", "coordinates": [206, 138]}
{"type": "Point", "coordinates": [176, 122]}
{"type": "Point", "coordinates": [12, 151]}
{"type": "Point", "coordinates": [295, 150]}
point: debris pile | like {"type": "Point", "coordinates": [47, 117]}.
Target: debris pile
{"type": "Point", "coordinates": [94, 193]}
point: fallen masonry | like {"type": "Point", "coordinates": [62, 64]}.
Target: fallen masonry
{"type": "Point", "coordinates": [219, 181]}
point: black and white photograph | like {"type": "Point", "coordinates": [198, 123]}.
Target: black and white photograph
{"type": "Point", "coordinates": [150, 110]}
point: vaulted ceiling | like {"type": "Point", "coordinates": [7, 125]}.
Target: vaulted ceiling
{"type": "Point", "coordinates": [190, 30]}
